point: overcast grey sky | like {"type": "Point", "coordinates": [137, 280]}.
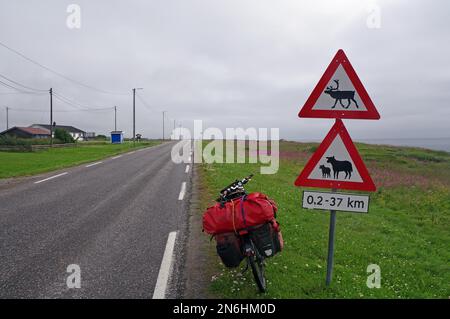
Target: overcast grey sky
{"type": "Point", "coordinates": [233, 63]}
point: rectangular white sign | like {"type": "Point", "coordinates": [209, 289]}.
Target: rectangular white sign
{"type": "Point", "coordinates": [336, 201]}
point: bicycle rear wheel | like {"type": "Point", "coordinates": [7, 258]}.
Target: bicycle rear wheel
{"type": "Point", "coordinates": [257, 265]}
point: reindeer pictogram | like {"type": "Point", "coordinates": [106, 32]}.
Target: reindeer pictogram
{"type": "Point", "coordinates": [341, 95]}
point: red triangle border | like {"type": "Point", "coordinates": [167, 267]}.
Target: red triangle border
{"type": "Point", "coordinates": [339, 59]}
{"type": "Point", "coordinates": [337, 129]}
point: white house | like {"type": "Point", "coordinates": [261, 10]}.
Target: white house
{"type": "Point", "coordinates": [76, 133]}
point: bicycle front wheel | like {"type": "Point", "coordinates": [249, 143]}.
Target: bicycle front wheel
{"type": "Point", "coordinates": [257, 265]}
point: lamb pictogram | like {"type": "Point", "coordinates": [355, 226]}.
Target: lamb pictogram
{"type": "Point", "coordinates": [326, 171]}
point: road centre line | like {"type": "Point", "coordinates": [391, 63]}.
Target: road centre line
{"type": "Point", "coordinates": [49, 178]}
{"type": "Point", "coordinates": [165, 269]}
{"type": "Point", "coordinates": [187, 169]}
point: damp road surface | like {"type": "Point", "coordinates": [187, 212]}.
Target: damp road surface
{"type": "Point", "coordinates": [109, 219]}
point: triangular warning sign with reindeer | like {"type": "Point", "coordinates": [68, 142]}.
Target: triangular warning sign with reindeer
{"type": "Point", "coordinates": [336, 164]}
{"type": "Point", "coordinates": [339, 94]}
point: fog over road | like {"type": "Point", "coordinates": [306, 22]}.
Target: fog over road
{"type": "Point", "coordinates": [112, 219]}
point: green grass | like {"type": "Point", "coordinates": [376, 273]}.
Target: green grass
{"type": "Point", "coordinates": [406, 232]}
{"type": "Point", "coordinates": [13, 164]}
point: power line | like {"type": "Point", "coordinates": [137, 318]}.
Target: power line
{"type": "Point", "coordinates": [47, 111]}
{"type": "Point", "coordinates": [22, 85]}
{"type": "Point", "coordinates": [65, 101]}
{"type": "Point", "coordinates": [9, 93]}
{"type": "Point", "coordinates": [58, 73]}
{"type": "Point", "coordinates": [27, 110]}
{"type": "Point", "coordinates": [147, 105]}
{"type": "Point", "coordinates": [144, 102]}
{"type": "Point", "coordinates": [77, 104]}
{"type": "Point", "coordinates": [72, 100]}
{"type": "Point", "coordinates": [9, 86]}
{"type": "Point", "coordinates": [59, 96]}
{"type": "Point", "coordinates": [62, 97]}
{"type": "Point", "coordinates": [81, 108]}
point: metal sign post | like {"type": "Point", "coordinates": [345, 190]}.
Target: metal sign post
{"type": "Point", "coordinates": [331, 244]}
{"type": "Point", "coordinates": [333, 201]}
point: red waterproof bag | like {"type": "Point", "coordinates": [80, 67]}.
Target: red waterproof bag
{"type": "Point", "coordinates": [250, 210]}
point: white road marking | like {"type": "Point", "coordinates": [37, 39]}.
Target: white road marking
{"type": "Point", "coordinates": [182, 191]}
{"type": "Point", "coordinates": [187, 169]}
{"type": "Point", "coordinates": [190, 159]}
{"type": "Point", "coordinates": [93, 164]}
{"type": "Point", "coordinates": [51, 177]}
{"type": "Point", "coordinates": [165, 269]}
{"type": "Point", "coordinates": [118, 156]}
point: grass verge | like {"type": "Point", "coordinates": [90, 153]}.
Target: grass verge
{"type": "Point", "coordinates": [406, 231]}
{"type": "Point", "coordinates": [14, 164]}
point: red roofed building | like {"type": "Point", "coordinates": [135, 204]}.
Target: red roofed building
{"type": "Point", "coordinates": [27, 132]}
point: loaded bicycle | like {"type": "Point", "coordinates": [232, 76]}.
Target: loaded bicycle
{"type": "Point", "coordinates": [244, 226]}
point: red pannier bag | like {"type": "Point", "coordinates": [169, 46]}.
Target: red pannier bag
{"type": "Point", "coordinates": [250, 210]}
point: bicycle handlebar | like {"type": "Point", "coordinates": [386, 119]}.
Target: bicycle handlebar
{"type": "Point", "coordinates": [237, 185]}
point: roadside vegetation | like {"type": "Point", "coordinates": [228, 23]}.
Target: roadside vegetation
{"type": "Point", "coordinates": [13, 164]}
{"type": "Point", "coordinates": [406, 232]}
{"type": "Point", "coordinates": [14, 141]}
{"type": "Point", "coordinates": [63, 136]}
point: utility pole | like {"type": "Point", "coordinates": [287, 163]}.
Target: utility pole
{"type": "Point", "coordinates": [174, 128]}
{"type": "Point", "coordinates": [163, 112]}
{"type": "Point", "coordinates": [51, 116]}
{"type": "Point", "coordinates": [134, 114]}
{"type": "Point", "coordinates": [115, 118]}
{"type": "Point", "coordinates": [7, 118]}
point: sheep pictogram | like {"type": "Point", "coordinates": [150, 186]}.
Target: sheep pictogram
{"type": "Point", "coordinates": [338, 96]}
{"type": "Point", "coordinates": [340, 166]}
{"type": "Point", "coordinates": [326, 171]}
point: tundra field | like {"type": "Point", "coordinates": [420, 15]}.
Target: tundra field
{"type": "Point", "coordinates": [406, 232]}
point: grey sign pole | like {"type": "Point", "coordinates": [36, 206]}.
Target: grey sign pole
{"type": "Point", "coordinates": [331, 244]}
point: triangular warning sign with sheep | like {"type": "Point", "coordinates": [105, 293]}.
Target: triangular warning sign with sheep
{"type": "Point", "coordinates": [336, 164]}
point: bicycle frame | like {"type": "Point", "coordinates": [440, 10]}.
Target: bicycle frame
{"type": "Point", "coordinates": [255, 260]}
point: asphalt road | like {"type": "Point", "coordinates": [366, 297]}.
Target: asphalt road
{"type": "Point", "coordinates": [112, 219]}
